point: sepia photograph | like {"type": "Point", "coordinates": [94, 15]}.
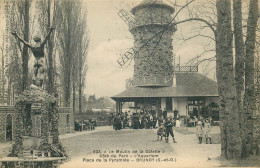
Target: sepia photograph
{"type": "Point", "coordinates": [129, 83]}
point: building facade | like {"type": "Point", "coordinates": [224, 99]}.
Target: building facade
{"type": "Point", "coordinates": [7, 118]}
{"type": "Point", "coordinates": [193, 94]}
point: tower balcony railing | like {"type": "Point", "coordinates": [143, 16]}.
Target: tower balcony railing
{"type": "Point", "coordinates": [158, 80]}
{"type": "Point", "coordinates": [186, 69]}
{"type": "Point", "coordinates": [140, 23]}
{"type": "Point", "coordinates": [149, 81]}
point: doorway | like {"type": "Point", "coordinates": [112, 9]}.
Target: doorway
{"type": "Point", "coordinates": [68, 123]}
{"type": "Point", "coordinates": [9, 128]}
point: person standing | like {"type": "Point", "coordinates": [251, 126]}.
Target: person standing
{"type": "Point", "coordinates": [178, 123]}
{"type": "Point", "coordinates": [111, 118]}
{"type": "Point", "coordinates": [165, 113]}
{"type": "Point", "coordinates": [199, 131]}
{"type": "Point", "coordinates": [136, 123]}
{"type": "Point", "coordinates": [168, 129]}
{"type": "Point", "coordinates": [154, 121]}
{"type": "Point", "coordinates": [160, 120]}
{"type": "Point", "coordinates": [159, 112]}
{"type": "Point", "coordinates": [207, 130]}
{"type": "Point", "coordinates": [153, 111]}
{"type": "Point", "coordinates": [176, 112]}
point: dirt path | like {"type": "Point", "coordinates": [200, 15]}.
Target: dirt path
{"type": "Point", "coordinates": [186, 153]}
{"type": "Point", "coordinates": [5, 147]}
{"type": "Point", "coordinates": [190, 153]}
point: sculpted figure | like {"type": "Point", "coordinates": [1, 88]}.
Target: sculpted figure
{"type": "Point", "coordinates": [38, 51]}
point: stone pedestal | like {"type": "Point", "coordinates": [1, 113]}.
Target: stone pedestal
{"type": "Point", "coordinates": [29, 141]}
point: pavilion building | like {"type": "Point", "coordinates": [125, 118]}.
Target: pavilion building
{"type": "Point", "coordinates": [157, 82]}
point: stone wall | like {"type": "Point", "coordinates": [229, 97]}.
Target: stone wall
{"type": "Point", "coordinates": [4, 111]}
{"type": "Point", "coordinates": [63, 126]}
{"type": "Point", "coordinates": [153, 46]}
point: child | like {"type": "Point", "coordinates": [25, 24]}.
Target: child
{"type": "Point", "coordinates": [161, 131]}
{"type": "Point", "coordinates": [207, 130]}
{"type": "Point", "coordinates": [160, 120]}
{"type": "Point", "coordinates": [178, 123]}
{"type": "Point", "coordinates": [168, 127]}
{"type": "Point", "coordinates": [199, 131]}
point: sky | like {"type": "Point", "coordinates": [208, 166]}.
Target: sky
{"type": "Point", "coordinates": [110, 37]}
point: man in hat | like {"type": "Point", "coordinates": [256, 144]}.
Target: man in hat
{"type": "Point", "coordinates": [176, 112]}
{"type": "Point", "coordinates": [165, 113]}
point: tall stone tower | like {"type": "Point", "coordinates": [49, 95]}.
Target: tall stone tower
{"type": "Point", "coordinates": [153, 31]}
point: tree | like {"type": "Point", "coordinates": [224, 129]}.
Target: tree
{"type": "Point", "coordinates": [230, 141]}
{"type": "Point", "coordinates": [2, 101]}
{"type": "Point", "coordinates": [82, 50]}
{"type": "Point", "coordinates": [73, 42]}
{"type": "Point", "coordinates": [250, 99]}
{"type": "Point", "coordinates": [16, 56]}
{"type": "Point", "coordinates": [64, 29]}
{"type": "Point", "coordinates": [91, 102]}
{"type": "Point", "coordinates": [25, 56]}
{"type": "Point", "coordinates": [239, 67]}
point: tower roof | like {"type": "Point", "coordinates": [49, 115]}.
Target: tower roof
{"type": "Point", "coordinates": [152, 3]}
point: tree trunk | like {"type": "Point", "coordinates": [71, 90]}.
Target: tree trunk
{"type": "Point", "coordinates": [25, 57]}
{"type": "Point", "coordinates": [249, 99]}
{"type": "Point", "coordinates": [239, 68]}
{"type": "Point", "coordinates": [67, 74]}
{"type": "Point", "coordinates": [80, 90]}
{"type": "Point", "coordinates": [9, 93]}
{"type": "Point", "coordinates": [74, 95]}
{"type": "Point", "coordinates": [230, 134]}
{"type": "Point", "coordinates": [3, 79]}
{"type": "Point", "coordinates": [257, 92]}
{"type": "Point", "coordinates": [50, 52]}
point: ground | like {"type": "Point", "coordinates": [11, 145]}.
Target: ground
{"type": "Point", "coordinates": [187, 152]}
{"type": "Point", "coordinates": [85, 147]}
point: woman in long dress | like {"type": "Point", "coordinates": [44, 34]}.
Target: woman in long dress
{"type": "Point", "coordinates": [207, 131]}
{"type": "Point", "coordinates": [199, 131]}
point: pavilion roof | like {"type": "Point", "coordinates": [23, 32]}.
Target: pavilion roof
{"type": "Point", "coordinates": [190, 84]}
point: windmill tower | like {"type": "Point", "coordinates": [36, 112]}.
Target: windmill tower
{"type": "Point", "coordinates": [151, 24]}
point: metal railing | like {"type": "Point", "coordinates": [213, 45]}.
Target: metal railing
{"type": "Point", "coordinates": [186, 69]}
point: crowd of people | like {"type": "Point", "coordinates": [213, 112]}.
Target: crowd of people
{"type": "Point", "coordinates": [85, 125]}
{"type": "Point", "coordinates": [146, 120]}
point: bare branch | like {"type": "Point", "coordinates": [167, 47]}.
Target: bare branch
{"type": "Point", "coordinates": [200, 20]}
{"type": "Point", "coordinates": [198, 35]}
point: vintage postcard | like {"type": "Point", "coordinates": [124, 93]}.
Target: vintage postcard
{"type": "Point", "coordinates": [129, 83]}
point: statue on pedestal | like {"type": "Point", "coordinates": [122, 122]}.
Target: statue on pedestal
{"type": "Point", "coordinates": [38, 52]}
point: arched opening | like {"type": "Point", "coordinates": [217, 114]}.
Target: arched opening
{"type": "Point", "coordinates": [68, 123]}
{"type": "Point", "coordinates": [9, 127]}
